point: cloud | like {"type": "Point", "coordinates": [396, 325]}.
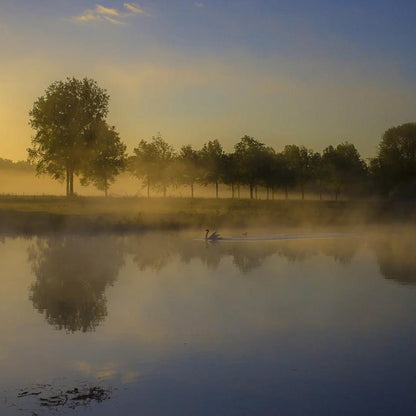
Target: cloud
{"type": "Point", "coordinates": [106, 10]}
{"type": "Point", "coordinates": [114, 21]}
{"type": "Point", "coordinates": [134, 8]}
{"type": "Point", "coordinates": [199, 4]}
{"type": "Point", "coordinates": [107, 14]}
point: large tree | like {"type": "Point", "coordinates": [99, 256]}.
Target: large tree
{"type": "Point", "coordinates": [394, 168]}
{"type": "Point", "coordinates": [62, 120]}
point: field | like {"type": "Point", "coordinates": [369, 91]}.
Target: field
{"type": "Point", "coordinates": [44, 214]}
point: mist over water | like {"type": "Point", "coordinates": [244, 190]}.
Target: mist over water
{"type": "Point", "coordinates": [161, 323]}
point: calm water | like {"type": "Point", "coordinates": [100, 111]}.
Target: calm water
{"type": "Point", "coordinates": [161, 324]}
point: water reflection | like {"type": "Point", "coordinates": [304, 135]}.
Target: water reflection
{"type": "Point", "coordinates": [261, 327]}
{"type": "Point", "coordinates": [72, 274]}
{"type": "Point", "coordinates": [156, 251]}
{"type": "Point", "coordinates": [395, 257]}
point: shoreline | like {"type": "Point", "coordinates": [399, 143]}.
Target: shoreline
{"type": "Point", "coordinates": [30, 215]}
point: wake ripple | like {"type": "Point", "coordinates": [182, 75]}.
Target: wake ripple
{"type": "Point", "coordinates": [279, 237]}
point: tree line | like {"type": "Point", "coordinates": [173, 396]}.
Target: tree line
{"type": "Point", "coordinates": [72, 137]}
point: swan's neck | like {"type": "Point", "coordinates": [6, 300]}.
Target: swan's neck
{"type": "Point", "coordinates": [206, 234]}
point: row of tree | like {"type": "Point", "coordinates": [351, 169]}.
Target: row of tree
{"type": "Point", "coordinates": [72, 137]}
{"type": "Point", "coordinates": [252, 164]}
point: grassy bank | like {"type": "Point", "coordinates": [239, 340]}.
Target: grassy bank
{"type": "Point", "coordinates": [43, 214]}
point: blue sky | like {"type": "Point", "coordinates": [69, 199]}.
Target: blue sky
{"type": "Point", "coordinates": [313, 73]}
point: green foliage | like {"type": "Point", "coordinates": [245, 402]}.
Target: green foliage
{"type": "Point", "coordinates": [187, 167]}
{"type": "Point", "coordinates": [106, 156]}
{"type": "Point", "coordinates": [213, 162]}
{"type": "Point", "coordinates": [301, 163]}
{"type": "Point", "coordinates": [394, 168]}
{"type": "Point", "coordinates": [252, 159]}
{"type": "Point", "coordinates": [343, 168]}
{"type": "Point", "coordinates": [62, 120]}
{"type": "Point", "coordinates": [153, 162]}
{"type": "Point", "coordinates": [72, 137]}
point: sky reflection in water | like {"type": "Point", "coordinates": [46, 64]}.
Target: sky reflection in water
{"type": "Point", "coordinates": [173, 326]}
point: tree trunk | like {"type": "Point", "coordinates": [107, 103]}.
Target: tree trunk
{"type": "Point", "coordinates": [192, 190]}
{"type": "Point", "coordinates": [251, 191]}
{"type": "Point", "coordinates": [216, 189]}
{"type": "Point", "coordinates": [238, 191]}
{"type": "Point", "coordinates": [303, 192]}
{"type": "Point", "coordinates": [255, 188]}
{"type": "Point", "coordinates": [67, 182]}
{"type": "Point", "coordinates": [71, 182]}
{"type": "Point", "coordinates": [148, 189]}
{"type": "Point", "coordinates": [232, 190]}
{"type": "Point", "coordinates": [286, 193]}
{"type": "Point", "coordinates": [105, 187]}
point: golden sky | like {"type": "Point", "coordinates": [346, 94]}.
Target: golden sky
{"type": "Point", "coordinates": [196, 71]}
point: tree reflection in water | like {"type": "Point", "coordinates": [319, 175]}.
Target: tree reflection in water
{"type": "Point", "coordinates": [72, 274]}
{"type": "Point", "coordinates": [155, 251]}
{"type": "Point", "coordinates": [395, 257]}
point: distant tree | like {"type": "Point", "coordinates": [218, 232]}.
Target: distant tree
{"type": "Point", "coordinates": [394, 168]}
{"type": "Point", "coordinates": [107, 157]}
{"type": "Point", "coordinates": [284, 174]}
{"type": "Point", "coordinates": [301, 162]}
{"type": "Point", "coordinates": [188, 169]}
{"type": "Point", "coordinates": [273, 172]}
{"type": "Point", "coordinates": [231, 174]}
{"type": "Point", "coordinates": [343, 168]}
{"type": "Point", "coordinates": [318, 173]}
{"type": "Point", "coordinates": [250, 154]}
{"type": "Point", "coordinates": [20, 165]}
{"type": "Point", "coordinates": [62, 119]}
{"type": "Point", "coordinates": [165, 155]}
{"type": "Point", "coordinates": [153, 162]}
{"type": "Point", "coordinates": [213, 163]}
{"type": "Point", "coordinates": [143, 163]}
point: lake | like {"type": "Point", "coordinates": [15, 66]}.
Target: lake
{"type": "Point", "coordinates": [165, 324]}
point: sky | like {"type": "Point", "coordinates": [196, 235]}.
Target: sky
{"type": "Point", "coordinates": [311, 73]}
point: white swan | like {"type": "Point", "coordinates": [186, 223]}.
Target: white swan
{"type": "Point", "coordinates": [214, 236]}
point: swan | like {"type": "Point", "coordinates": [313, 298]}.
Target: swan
{"type": "Point", "coordinates": [213, 237]}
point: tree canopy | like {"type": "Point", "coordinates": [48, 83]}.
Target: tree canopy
{"type": "Point", "coordinates": [107, 157]}
{"type": "Point", "coordinates": [394, 168]}
{"type": "Point", "coordinates": [153, 162]}
{"type": "Point", "coordinates": [65, 120]}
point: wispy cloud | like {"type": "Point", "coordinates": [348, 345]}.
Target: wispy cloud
{"type": "Point", "coordinates": [108, 14]}
{"type": "Point", "coordinates": [106, 10]}
{"type": "Point", "coordinates": [134, 8]}
{"type": "Point", "coordinates": [199, 4]}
